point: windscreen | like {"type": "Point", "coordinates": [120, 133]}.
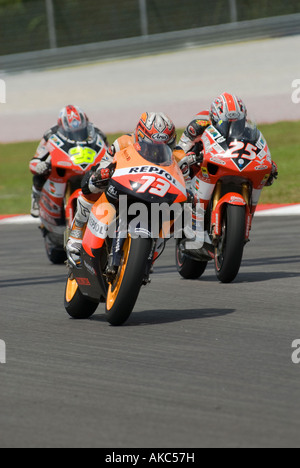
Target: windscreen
{"type": "Point", "coordinates": [244, 131]}
{"type": "Point", "coordinates": [156, 153]}
{"type": "Point", "coordinates": [79, 135]}
{"type": "Point", "coordinates": [239, 130]}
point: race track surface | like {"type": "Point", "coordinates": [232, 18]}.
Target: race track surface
{"type": "Point", "coordinates": [198, 364]}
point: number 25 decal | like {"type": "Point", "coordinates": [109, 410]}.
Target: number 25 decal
{"type": "Point", "coordinates": [236, 148]}
{"type": "Point", "coordinates": [160, 188]}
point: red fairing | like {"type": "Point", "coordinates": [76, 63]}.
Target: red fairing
{"type": "Point", "coordinates": [230, 198]}
{"type": "Point", "coordinates": [69, 163]}
{"type": "Point", "coordinates": [243, 163]}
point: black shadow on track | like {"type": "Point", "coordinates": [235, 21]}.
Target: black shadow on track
{"type": "Point", "coordinates": [157, 317]}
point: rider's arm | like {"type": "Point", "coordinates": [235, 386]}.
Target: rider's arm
{"type": "Point", "coordinates": [273, 176]}
{"type": "Point", "coordinates": [97, 180]}
{"type": "Point", "coordinates": [194, 131]}
{"type": "Point", "coordinates": [40, 163]}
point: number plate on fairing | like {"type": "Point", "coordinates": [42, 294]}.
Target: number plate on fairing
{"type": "Point", "coordinates": [82, 157]}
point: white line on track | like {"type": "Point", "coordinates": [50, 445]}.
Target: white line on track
{"type": "Point", "coordinates": [292, 210]}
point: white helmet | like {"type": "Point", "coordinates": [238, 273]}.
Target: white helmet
{"type": "Point", "coordinates": [227, 108]}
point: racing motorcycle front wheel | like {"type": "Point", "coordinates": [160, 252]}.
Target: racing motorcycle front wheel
{"type": "Point", "coordinates": [125, 288]}
{"type": "Point", "coordinates": [230, 248]}
{"type": "Point", "coordinates": [78, 306]}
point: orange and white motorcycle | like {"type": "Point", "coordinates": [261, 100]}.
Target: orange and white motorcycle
{"type": "Point", "coordinates": [236, 166]}
{"type": "Point", "coordinates": [119, 249]}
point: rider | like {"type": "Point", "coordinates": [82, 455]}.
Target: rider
{"type": "Point", "coordinates": [225, 108]}
{"type": "Point", "coordinates": [73, 126]}
{"type": "Point", "coordinates": [152, 127]}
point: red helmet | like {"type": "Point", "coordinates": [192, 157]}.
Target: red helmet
{"type": "Point", "coordinates": [227, 107]}
{"type": "Point", "coordinates": [156, 127]}
{"type": "Point", "coordinates": [73, 123]}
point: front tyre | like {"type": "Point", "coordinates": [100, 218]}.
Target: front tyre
{"type": "Point", "coordinates": [230, 249]}
{"type": "Point", "coordinates": [123, 292]}
{"type": "Point", "coordinates": [55, 254]}
{"type": "Point", "coordinates": [78, 306]}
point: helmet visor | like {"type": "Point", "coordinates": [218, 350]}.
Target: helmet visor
{"type": "Point", "coordinates": [81, 134]}
{"type": "Point", "coordinates": [156, 153]}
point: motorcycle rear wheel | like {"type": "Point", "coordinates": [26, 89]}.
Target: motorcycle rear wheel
{"type": "Point", "coordinates": [78, 306]}
{"type": "Point", "coordinates": [229, 252]}
{"type": "Point", "coordinates": [123, 293]}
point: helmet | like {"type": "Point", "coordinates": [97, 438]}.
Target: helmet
{"type": "Point", "coordinates": [156, 127]}
{"type": "Point", "coordinates": [227, 107]}
{"type": "Point", "coordinates": [73, 123]}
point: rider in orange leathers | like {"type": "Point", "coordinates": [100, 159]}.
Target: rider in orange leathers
{"type": "Point", "coordinates": [152, 127]}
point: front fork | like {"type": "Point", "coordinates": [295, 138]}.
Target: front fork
{"type": "Point", "coordinates": [215, 233]}
{"type": "Point", "coordinates": [116, 256]}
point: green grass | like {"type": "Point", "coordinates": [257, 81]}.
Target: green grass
{"type": "Point", "coordinates": [16, 178]}
{"type": "Point", "coordinates": [284, 142]}
{"type": "Point", "coordinates": [283, 139]}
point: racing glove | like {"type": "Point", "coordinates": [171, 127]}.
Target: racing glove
{"type": "Point", "coordinates": [273, 176]}
{"type": "Point", "coordinates": [189, 160]}
{"type": "Point", "coordinates": [96, 182]}
{"type": "Point", "coordinates": [43, 168]}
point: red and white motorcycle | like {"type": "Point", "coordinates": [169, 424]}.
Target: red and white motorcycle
{"type": "Point", "coordinates": [236, 166]}
{"type": "Point", "coordinates": [69, 163]}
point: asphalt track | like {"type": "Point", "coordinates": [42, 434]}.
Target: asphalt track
{"type": "Point", "coordinates": [198, 364]}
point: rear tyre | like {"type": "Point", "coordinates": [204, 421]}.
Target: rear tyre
{"type": "Point", "coordinates": [187, 267]}
{"type": "Point", "coordinates": [229, 252]}
{"type": "Point", "coordinates": [78, 306]}
{"type": "Point", "coordinates": [123, 293]}
{"type": "Point", "coordinates": [56, 255]}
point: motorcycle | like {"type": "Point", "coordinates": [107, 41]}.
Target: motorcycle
{"type": "Point", "coordinates": [118, 250]}
{"type": "Point", "coordinates": [236, 166]}
{"type": "Point", "coordinates": [69, 163]}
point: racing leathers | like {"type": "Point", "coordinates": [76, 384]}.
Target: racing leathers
{"type": "Point", "coordinates": [40, 165]}
{"type": "Point", "coordinates": [94, 184]}
{"type": "Point", "coordinates": [188, 152]}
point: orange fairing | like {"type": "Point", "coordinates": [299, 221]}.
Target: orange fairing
{"type": "Point", "coordinates": [101, 217]}
{"type": "Point", "coordinates": [123, 142]}
{"type": "Point", "coordinates": [132, 169]}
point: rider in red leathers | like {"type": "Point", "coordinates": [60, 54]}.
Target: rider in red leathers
{"type": "Point", "coordinates": [226, 108]}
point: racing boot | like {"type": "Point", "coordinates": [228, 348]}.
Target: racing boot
{"type": "Point", "coordinates": [74, 244]}
{"type": "Point", "coordinates": [35, 202]}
